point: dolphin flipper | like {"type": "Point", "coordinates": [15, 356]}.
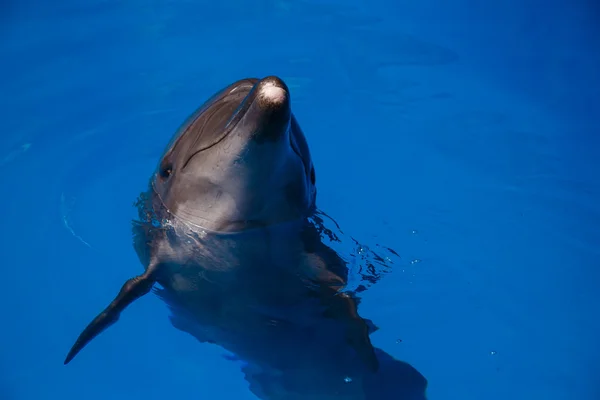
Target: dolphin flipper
{"type": "Point", "coordinates": [331, 271]}
{"type": "Point", "coordinates": [132, 290]}
{"type": "Point", "coordinates": [371, 325]}
{"type": "Point", "coordinates": [357, 329]}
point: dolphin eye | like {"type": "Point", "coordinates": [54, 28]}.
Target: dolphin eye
{"type": "Point", "coordinates": [312, 175]}
{"type": "Point", "coordinates": [166, 169]}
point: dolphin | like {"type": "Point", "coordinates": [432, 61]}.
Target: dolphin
{"type": "Point", "coordinates": [230, 240]}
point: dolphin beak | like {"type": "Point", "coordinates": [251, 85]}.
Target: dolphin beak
{"type": "Point", "coordinates": [272, 94]}
{"type": "Point", "coordinates": [269, 110]}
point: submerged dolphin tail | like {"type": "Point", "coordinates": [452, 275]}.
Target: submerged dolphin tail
{"type": "Point", "coordinates": [132, 290]}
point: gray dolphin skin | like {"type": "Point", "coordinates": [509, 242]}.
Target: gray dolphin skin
{"type": "Point", "coordinates": [230, 239]}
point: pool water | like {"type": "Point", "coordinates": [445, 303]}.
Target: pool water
{"type": "Point", "coordinates": [462, 135]}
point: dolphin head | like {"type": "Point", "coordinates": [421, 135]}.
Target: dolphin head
{"type": "Point", "coordinates": [239, 162]}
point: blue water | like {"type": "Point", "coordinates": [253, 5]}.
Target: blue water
{"type": "Point", "coordinates": [462, 134]}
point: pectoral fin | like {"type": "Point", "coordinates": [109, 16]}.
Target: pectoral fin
{"type": "Point", "coordinates": [358, 336]}
{"type": "Point", "coordinates": [330, 272]}
{"type": "Point", "coordinates": [132, 290]}
{"type": "Point", "coordinates": [357, 329]}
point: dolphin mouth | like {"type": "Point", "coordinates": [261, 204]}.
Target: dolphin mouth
{"type": "Point", "coordinates": [230, 125]}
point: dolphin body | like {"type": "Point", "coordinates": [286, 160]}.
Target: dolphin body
{"type": "Point", "coordinates": [230, 230]}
